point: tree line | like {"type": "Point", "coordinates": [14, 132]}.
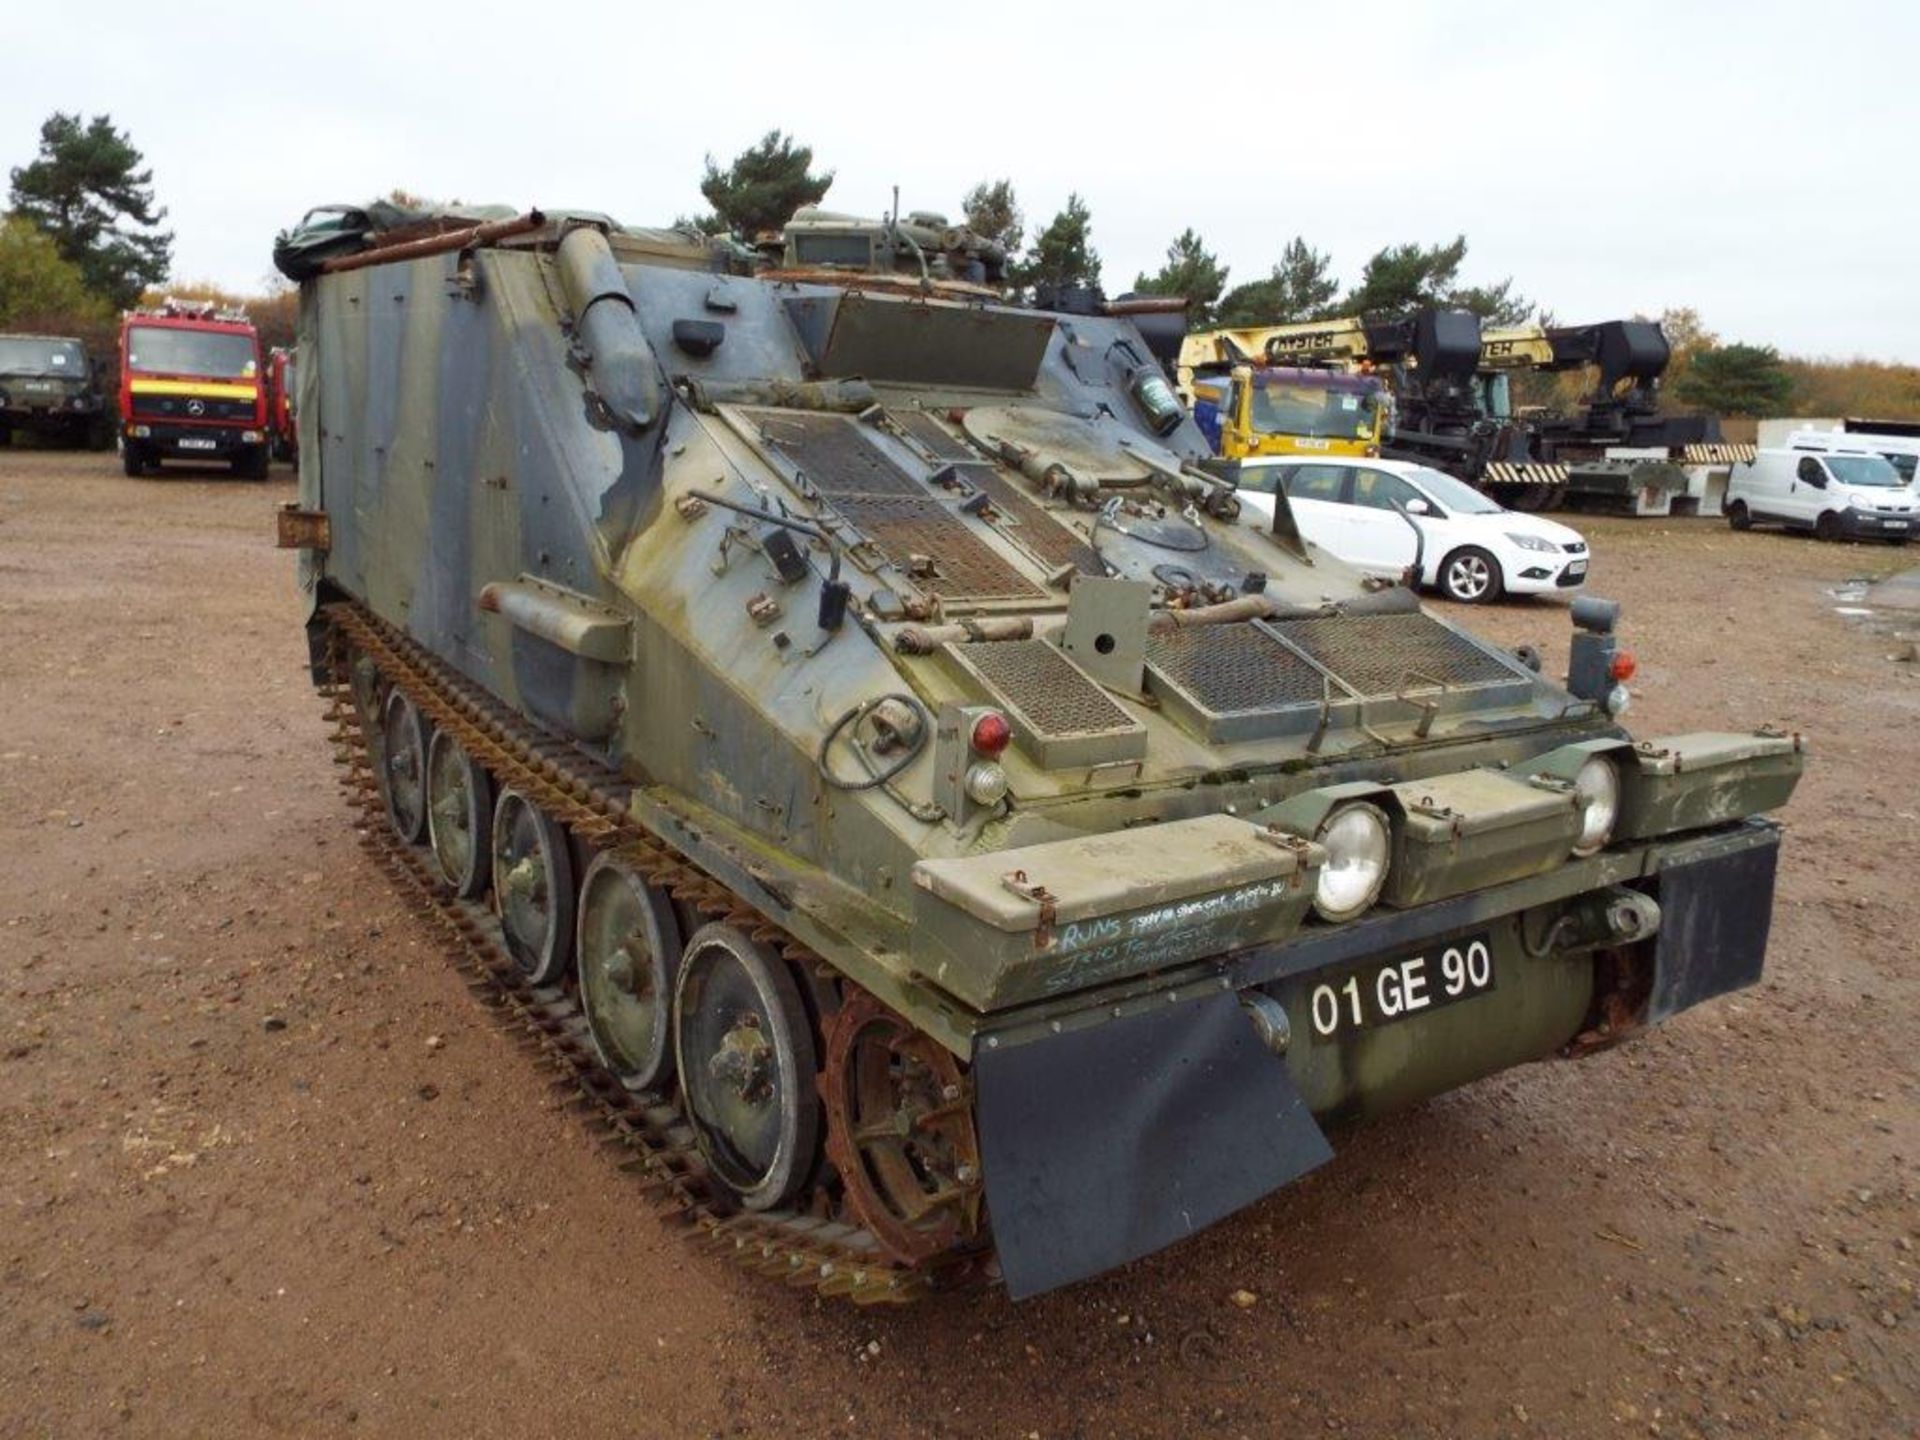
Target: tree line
{"type": "Point", "coordinates": [83, 239]}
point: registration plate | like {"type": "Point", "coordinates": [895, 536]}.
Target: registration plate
{"type": "Point", "coordinates": [199, 444]}
{"type": "Point", "coordinates": [1894, 524]}
{"type": "Point", "coordinates": [1390, 990]}
{"type": "Point", "coordinates": [1578, 567]}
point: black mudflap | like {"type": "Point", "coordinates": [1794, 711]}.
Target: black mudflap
{"type": "Point", "coordinates": [1715, 912]}
{"type": "Point", "coordinates": [1106, 1143]}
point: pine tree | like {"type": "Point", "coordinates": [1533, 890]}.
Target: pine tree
{"type": "Point", "coordinates": [992, 212]}
{"type": "Point", "coordinates": [1062, 255]}
{"type": "Point", "coordinates": [1300, 287]}
{"type": "Point", "coordinates": [762, 188]}
{"type": "Point", "coordinates": [88, 191]}
{"type": "Point", "coordinates": [1736, 380]}
{"type": "Point", "coordinates": [1193, 272]}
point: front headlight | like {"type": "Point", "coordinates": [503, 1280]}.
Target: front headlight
{"type": "Point", "coordinates": [1357, 840]}
{"type": "Point", "coordinates": [1598, 787]}
{"type": "Point", "coordinates": [1534, 542]}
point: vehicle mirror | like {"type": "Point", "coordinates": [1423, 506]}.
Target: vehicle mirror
{"type": "Point", "coordinates": [1417, 506]}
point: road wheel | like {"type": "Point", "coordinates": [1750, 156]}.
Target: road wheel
{"type": "Point", "coordinates": [747, 1063]}
{"type": "Point", "coordinates": [1471, 576]}
{"type": "Point", "coordinates": [459, 816]}
{"type": "Point", "coordinates": [629, 958]}
{"type": "Point", "coordinates": [1826, 526]}
{"type": "Point", "coordinates": [1738, 516]}
{"type": "Point", "coordinates": [532, 887]}
{"type": "Point", "coordinates": [403, 747]}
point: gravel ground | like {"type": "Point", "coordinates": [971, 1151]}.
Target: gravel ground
{"type": "Point", "coordinates": [243, 1194]}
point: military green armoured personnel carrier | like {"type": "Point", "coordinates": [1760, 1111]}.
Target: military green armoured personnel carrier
{"type": "Point", "coordinates": [840, 723]}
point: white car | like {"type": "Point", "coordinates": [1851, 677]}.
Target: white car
{"type": "Point", "coordinates": [1472, 549]}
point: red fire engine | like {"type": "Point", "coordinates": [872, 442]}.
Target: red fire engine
{"type": "Point", "coordinates": [191, 389]}
{"type": "Point", "coordinates": [283, 405]}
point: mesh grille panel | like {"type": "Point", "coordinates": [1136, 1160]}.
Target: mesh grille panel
{"type": "Point", "coordinates": [1054, 695]}
{"type": "Point", "coordinates": [890, 505]}
{"type": "Point", "coordinates": [932, 434]}
{"type": "Point", "coordinates": [1035, 528]}
{"type": "Point", "coordinates": [834, 453]}
{"type": "Point", "coordinates": [1385, 654]}
{"type": "Point", "coordinates": [1039, 529]}
{"type": "Point", "coordinates": [1234, 669]}
{"type": "Point", "coordinates": [965, 566]}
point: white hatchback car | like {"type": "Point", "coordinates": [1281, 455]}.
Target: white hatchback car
{"type": "Point", "coordinates": [1472, 549]}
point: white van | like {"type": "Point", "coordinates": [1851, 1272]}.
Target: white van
{"type": "Point", "coordinates": [1901, 451]}
{"type": "Point", "coordinates": [1837, 494]}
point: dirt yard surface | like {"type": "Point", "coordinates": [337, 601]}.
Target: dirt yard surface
{"type": "Point", "coordinates": [266, 1169]}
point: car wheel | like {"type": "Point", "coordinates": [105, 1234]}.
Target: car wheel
{"type": "Point", "coordinates": [1471, 576]}
{"type": "Point", "coordinates": [1738, 517]}
{"type": "Point", "coordinates": [1826, 527]}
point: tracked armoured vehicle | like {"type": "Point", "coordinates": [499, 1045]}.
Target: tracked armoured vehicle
{"type": "Point", "coordinates": [841, 724]}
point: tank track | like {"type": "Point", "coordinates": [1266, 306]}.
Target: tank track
{"type": "Point", "coordinates": [646, 1132]}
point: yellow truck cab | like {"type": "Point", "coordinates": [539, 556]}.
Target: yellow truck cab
{"type": "Point", "coordinates": [1283, 410]}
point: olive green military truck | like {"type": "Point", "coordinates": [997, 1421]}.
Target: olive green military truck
{"type": "Point", "coordinates": [50, 389]}
{"type": "Point", "coordinates": [841, 723]}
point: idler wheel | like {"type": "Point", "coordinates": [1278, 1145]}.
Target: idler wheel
{"type": "Point", "coordinates": [629, 956]}
{"type": "Point", "coordinates": [900, 1131]}
{"type": "Point", "coordinates": [459, 815]}
{"type": "Point", "coordinates": [532, 887]}
{"type": "Point", "coordinates": [404, 753]}
{"type": "Point", "coordinates": [745, 1054]}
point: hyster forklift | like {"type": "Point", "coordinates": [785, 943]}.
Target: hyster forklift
{"type": "Point", "coordinates": [1614, 450]}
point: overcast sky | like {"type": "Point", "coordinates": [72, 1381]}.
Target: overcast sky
{"type": "Point", "coordinates": [1755, 162]}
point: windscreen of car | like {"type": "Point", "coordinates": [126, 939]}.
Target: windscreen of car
{"type": "Point", "coordinates": [30, 355]}
{"type": "Point", "coordinates": [1313, 410]}
{"type": "Point", "coordinates": [220, 354]}
{"type": "Point", "coordinates": [1456, 497]}
{"type": "Point", "coordinates": [1866, 471]}
{"type": "Point", "coordinates": [1904, 464]}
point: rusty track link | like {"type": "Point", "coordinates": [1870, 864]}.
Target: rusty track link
{"type": "Point", "coordinates": [647, 1131]}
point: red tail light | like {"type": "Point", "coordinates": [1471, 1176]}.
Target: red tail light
{"type": "Point", "coordinates": [1624, 665]}
{"type": "Point", "coordinates": [991, 734]}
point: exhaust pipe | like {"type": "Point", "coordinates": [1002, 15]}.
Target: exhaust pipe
{"type": "Point", "coordinates": [626, 375]}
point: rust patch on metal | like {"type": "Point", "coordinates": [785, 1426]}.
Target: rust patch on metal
{"type": "Point", "coordinates": [299, 529]}
{"type": "Point", "coordinates": [900, 1132]}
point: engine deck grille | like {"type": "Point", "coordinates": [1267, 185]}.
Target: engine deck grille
{"type": "Point", "coordinates": [834, 453]}
{"type": "Point", "coordinates": [1235, 682]}
{"type": "Point", "coordinates": [891, 505]}
{"type": "Point", "coordinates": [1035, 527]}
{"type": "Point", "coordinates": [965, 566]}
{"type": "Point", "coordinates": [1059, 714]}
{"type": "Point", "coordinates": [928, 430]}
{"type": "Point", "coordinates": [1381, 655]}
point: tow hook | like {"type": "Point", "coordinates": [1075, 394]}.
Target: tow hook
{"type": "Point", "coordinates": [1614, 916]}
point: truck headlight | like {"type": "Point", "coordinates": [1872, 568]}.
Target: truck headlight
{"type": "Point", "coordinates": [1597, 785]}
{"type": "Point", "coordinates": [1357, 840]}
